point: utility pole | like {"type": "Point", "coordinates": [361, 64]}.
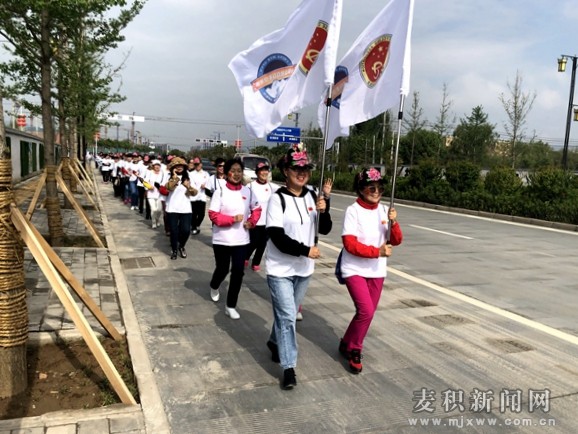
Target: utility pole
{"type": "Point", "coordinates": [132, 138]}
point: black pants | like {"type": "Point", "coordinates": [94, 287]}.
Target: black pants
{"type": "Point", "coordinates": [235, 257]}
{"type": "Point", "coordinates": [180, 227]}
{"type": "Point", "coordinates": [116, 185]}
{"type": "Point", "coordinates": [258, 243]}
{"type": "Point", "coordinates": [143, 203]}
{"type": "Point", "coordinates": [123, 187]}
{"type": "Point", "coordinates": [198, 207]}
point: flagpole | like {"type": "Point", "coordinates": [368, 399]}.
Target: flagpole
{"type": "Point", "coordinates": [328, 102]}
{"type": "Point", "coordinates": [394, 175]}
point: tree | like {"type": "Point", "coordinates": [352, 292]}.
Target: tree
{"type": "Point", "coordinates": [426, 146]}
{"type": "Point", "coordinates": [13, 307]}
{"type": "Point", "coordinates": [414, 122]}
{"type": "Point", "coordinates": [40, 33]}
{"type": "Point", "coordinates": [473, 138]}
{"type": "Point", "coordinates": [517, 106]}
{"type": "Point", "coordinates": [443, 123]}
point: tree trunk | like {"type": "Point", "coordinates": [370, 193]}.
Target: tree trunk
{"type": "Point", "coordinates": [13, 307]}
{"type": "Point", "coordinates": [55, 229]}
{"type": "Point", "coordinates": [73, 159]}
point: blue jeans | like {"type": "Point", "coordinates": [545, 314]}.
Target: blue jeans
{"type": "Point", "coordinates": [287, 293]}
{"type": "Point", "coordinates": [133, 193]}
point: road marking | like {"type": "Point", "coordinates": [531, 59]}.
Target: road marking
{"type": "Point", "coordinates": [441, 232]}
{"type": "Point", "coordinates": [336, 209]}
{"type": "Point", "coordinates": [478, 303]}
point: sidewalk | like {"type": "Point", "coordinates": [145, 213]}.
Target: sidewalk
{"type": "Point", "coordinates": [94, 268]}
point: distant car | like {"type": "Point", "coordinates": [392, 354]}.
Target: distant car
{"type": "Point", "coordinates": [208, 166]}
{"type": "Point", "coordinates": [250, 162]}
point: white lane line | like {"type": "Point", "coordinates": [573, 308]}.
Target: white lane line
{"type": "Point", "coordinates": [336, 209]}
{"type": "Point", "coordinates": [482, 305]}
{"type": "Point", "coordinates": [441, 232]}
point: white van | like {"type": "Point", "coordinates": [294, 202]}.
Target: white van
{"type": "Point", "coordinates": [250, 162]}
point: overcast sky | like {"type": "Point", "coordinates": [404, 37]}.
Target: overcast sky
{"type": "Point", "coordinates": [179, 51]}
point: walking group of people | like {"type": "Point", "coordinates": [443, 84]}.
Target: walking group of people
{"type": "Point", "coordinates": [248, 220]}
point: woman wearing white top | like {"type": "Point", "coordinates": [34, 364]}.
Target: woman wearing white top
{"type": "Point", "coordinates": [217, 180]}
{"type": "Point", "coordinates": [233, 213]}
{"type": "Point", "coordinates": [364, 258]}
{"type": "Point", "coordinates": [291, 227]}
{"type": "Point", "coordinates": [178, 206]}
{"type": "Point", "coordinates": [262, 189]}
{"type": "Point", "coordinates": [157, 178]}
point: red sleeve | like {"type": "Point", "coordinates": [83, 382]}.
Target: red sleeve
{"type": "Point", "coordinates": [221, 220]}
{"type": "Point", "coordinates": [255, 215]}
{"type": "Point", "coordinates": [358, 249]}
{"type": "Point", "coordinates": [395, 237]}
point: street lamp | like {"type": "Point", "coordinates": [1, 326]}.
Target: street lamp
{"type": "Point", "coordinates": [561, 68]}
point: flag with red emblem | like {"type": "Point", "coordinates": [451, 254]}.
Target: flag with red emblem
{"type": "Point", "coordinates": [374, 73]}
{"type": "Point", "coordinates": [290, 68]}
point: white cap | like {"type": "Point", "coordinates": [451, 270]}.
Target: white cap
{"type": "Point", "coordinates": [155, 162]}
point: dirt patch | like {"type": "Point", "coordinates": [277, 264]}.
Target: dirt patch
{"type": "Point", "coordinates": [76, 241]}
{"type": "Point", "coordinates": [66, 376]}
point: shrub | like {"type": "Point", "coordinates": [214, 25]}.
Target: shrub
{"type": "Point", "coordinates": [463, 175]}
{"type": "Point", "coordinates": [551, 185]}
{"type": "Point", "coordinates": [425, 173]}
{"type": "Point", "coordinates": [502, 181]}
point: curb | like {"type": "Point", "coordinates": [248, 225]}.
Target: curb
{"type": "Point", "coordinates": [155, 418]}
{"type": "Point", "coordinates": [59, 418]}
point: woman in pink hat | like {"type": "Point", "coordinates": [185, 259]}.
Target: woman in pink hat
{"type": "Point", "coordinates": [364, 258]}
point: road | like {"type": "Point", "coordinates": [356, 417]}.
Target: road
{"type": "Point", "coordinates": [528, 270]}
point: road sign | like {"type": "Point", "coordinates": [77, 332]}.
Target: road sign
{"type": "Point", "coordinates": [126, 118]}
{"type": "Point", "coordinates": [285, 134]}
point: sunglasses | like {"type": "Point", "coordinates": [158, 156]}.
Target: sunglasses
{"type": "Point", "coordinates": [373, 189]}
{"type": "Point", "coordinates": [220, 165]}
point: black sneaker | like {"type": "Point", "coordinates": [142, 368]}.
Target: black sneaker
{"type": "Point", "coordinates": [289, 380]}
{"type": "Point", "coordinates": [274, 351]}
{"type": "Point", "coordinates": [343, 349]}
{"type": "Point", "coordinates": [174, 255]}
{"type": "Point", "coordinates": [183, 252]}
{"type": "Point", "coordinates": [355, 365]}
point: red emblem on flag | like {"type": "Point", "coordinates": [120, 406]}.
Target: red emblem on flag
{"type": "Point", "coordinates": [375, 60]}
{"type": "Point", "coordinates": [315, 46]}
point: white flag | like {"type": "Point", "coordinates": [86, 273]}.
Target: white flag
{"type": "Point", "coordinates": [290, 68]}
{"type": "Point", "coordinates": [335, 130]}
{"type": "Point", "coordinates": [375, 71]}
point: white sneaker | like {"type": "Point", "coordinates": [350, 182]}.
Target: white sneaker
{"type": "Point", "coordinates": [215, 294]}
{"type": "Point", "coordinates": [299, 316]}
{"type": "Point", "coordinates": [154, 226]}
{"type": "Point", "coordinates": [232, 313]}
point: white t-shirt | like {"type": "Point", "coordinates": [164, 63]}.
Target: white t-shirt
{"type": "Point", "coordinates": [370, 228]}
{"type": "Point", "coordinates": [263, 193]}
{"type": "Point", "coordinates": [198, 178]}
{"type": "Point", "coordinates": [298, 221]}
{"type": "Point", "coordinates": [214, 183]}
{"type": "Point", "coordinates": [177, 200]}
{"type": "Point", "coordinates": [233, 202]}
{"type": "Point", "coordinates": [151, 177]}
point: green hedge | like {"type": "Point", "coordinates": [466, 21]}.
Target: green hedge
{"type": "Point", "coordinates": [551, 194]}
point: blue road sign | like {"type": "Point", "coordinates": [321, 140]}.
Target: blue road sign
{"type": "Point", "coordinates": [285, 134]}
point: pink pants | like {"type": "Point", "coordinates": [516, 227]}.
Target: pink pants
{"type": "Point", "coordinates": [365, 293]}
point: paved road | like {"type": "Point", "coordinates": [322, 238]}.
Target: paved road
{"type": "Point", "coordinates": [525, 269]}
{"type": "Point", "coordinates": [429, 351]}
